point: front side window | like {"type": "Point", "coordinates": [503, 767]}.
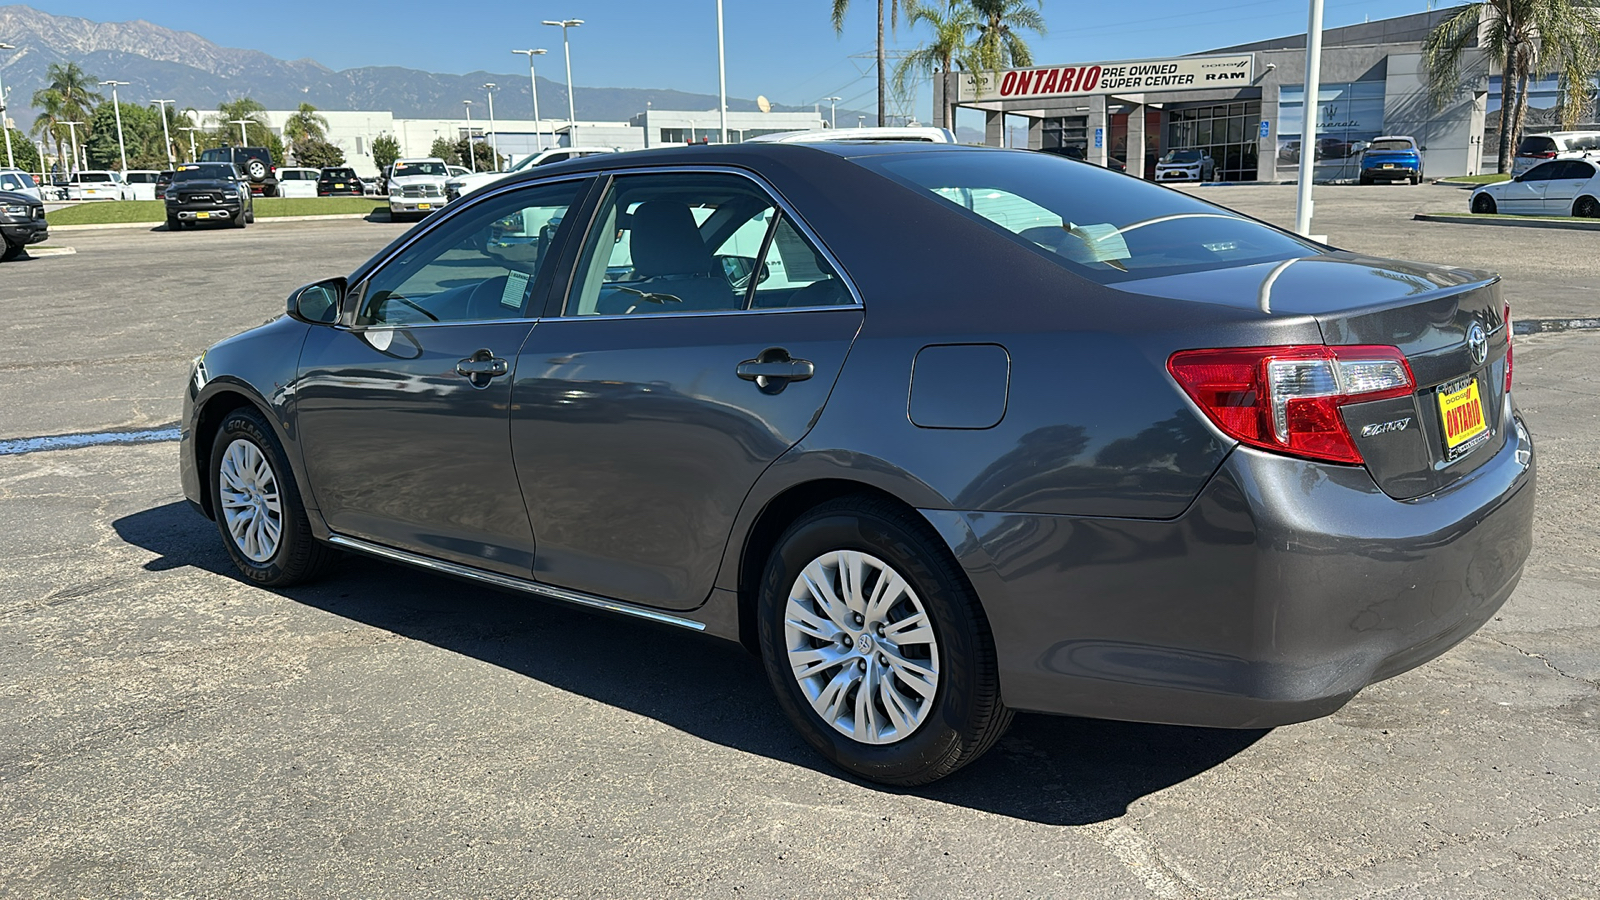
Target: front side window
{"type": "Point", "coordinates": [688, 242]}
{"type": "Point", "coordinates": [1096, 223]}
{"type": "Point", "coordinates": [483, 265]}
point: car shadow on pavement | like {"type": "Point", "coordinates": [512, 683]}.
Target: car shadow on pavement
{"type": "Point", "coordinates": [1048, 769]}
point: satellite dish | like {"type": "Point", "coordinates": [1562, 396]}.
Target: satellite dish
{"type": "Point", "coordinates": [763, 104]}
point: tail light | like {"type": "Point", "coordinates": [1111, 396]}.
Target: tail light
{"type": "Point", "coordinates": [1506, 318]}
{"type": "Point", "coordinates": [1287, 399]}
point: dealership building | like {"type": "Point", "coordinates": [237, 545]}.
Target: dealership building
{"type": "Point", "coordinates": [1245, 104]}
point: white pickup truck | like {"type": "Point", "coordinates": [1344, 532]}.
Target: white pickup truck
{"type": "Point", "coordinates": [416, 187]}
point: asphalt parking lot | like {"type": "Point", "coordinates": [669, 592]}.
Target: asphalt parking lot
{"type": "Point", "coordinates": [170, 731]}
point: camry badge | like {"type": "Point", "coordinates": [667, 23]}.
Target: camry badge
{"type": "Point", "coordinates": [1477, 344]}
{"type": "Point", "coordinates": [1378, 428]}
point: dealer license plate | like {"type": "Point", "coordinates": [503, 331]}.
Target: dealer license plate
{"type": "Point", "coordinates": [202, 215]}
{"type": "Point", "coordinates": [338, 185]}
{"type": "Point", "coordinates": [1388, 165]}
{"type": "Point", "coordinates": [1461, 411]}
{"type": "Point", "coordinates": [424, 206]}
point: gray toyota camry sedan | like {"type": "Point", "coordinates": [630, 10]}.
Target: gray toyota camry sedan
{"type": "Point", "coordinates": [940, 433]}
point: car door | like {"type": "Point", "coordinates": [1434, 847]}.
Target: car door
{"type": "Point", "coordinates": [701, 333]}
{"type": "Point", "coordinates": [403, 411]}
{"type": "Point", "coordinates": [1563, 187]}
{"type": "Point", "coordinates": [1525, 195]}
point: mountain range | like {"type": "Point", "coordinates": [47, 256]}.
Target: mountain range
{"type": "Point", "coordinates": [161, 62]}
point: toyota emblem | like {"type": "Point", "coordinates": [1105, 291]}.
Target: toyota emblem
{"type": "Point", "coordinates": [1477, 344]}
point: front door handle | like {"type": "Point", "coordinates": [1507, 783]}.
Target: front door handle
{"type": "Point", "coordinates": [774, 369]}
{"type": "Point", "coordinates": [482, 367]}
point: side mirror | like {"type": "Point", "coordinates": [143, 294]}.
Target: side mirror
{"type": "Point", "coordinates": [318, 303]}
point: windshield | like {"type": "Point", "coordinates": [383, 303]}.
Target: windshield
{"type": "Point", "coordinates": [10, 181]}
{"type": "Point", "coordinates": [1181, 156]}
{"type": "Point", "coordinates": [204, 172]}
{"type": "Point", "coordinates": [1390, 147]}
{"type": "Point", "coordinates": [1098, 224]}
{"type": "Point", "coordinates": [407, 170]}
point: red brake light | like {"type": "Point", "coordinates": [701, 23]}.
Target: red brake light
{"type": "Point", "coordinates": [1287, 399]}
{"type": "Point", "coordinates": [1506, 320]}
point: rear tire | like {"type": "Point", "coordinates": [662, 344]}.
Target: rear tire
{"type": "Point", "coordinates": [1483, 204]}
{"type": "Point", "coordinates": [257, 505]}
{"type": "Point", "coordinates": [862, 616]}
{"type": "Point", "coordinates": [1586, 208]}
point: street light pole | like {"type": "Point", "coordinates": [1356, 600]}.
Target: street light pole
{"type": "Point", "coordinates": [193, 153]}
{"type": "Point", "coordinates": [72, 129]}
{"type": "Point", "coordinates": [11, 162]}
{"type": "Point", "coordinates": [533, 81]}
{"type": "Point", "coordinates": [722, 78]}
{"type": "Point", "coordinates": [166, 134]}
{"type": "Point", "coordinates": [564, 24]}
{"type": "Point", "coordinates": [472, 157]}
{"type": "Point", "coordinates": [116, 107]}
{"type": "Point", "coordinates": [833, 111]}
{"type": "Point", "coordinates": [494, 139]}
{"type": "Point", "coordinates": [244, 136]}
{"type": "Point", "coordinates": [1308, 120]}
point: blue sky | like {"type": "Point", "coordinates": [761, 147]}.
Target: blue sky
{"type": "Point", "coordinates": [785, 50]}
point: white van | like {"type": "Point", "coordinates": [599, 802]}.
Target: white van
{"type": "Point", "coordinates": [140, 184]}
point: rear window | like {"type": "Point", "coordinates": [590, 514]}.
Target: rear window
{"type": "Point", "coordinates": [1534, 145]}
{"type": "Point", "coordinates": [141, 178]}
{"type": "Point", "coordinates": [94, 177]}
{"type": "Point", "coordinates": [1389, 147]}
{"type": "Point", "coordinates": [1098, 224]}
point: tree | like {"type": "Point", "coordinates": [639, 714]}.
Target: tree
{"type": "Point", "coordinates": [141, 131]}
{"type": "Point", "coordinates": [951, 45]}
{"type": "Point", "coordinates": [478, 152]}
{"type": "Point", "coordinates": [317, 153]}
{"type": "Point", "coordinates": [999, 46]}
{"type": "Point", "coordinates": [447, 150]}
{"type": "Point", "coordinates": [840, 7]}
{"type": "Point", "coordinates": [1528, 38]}
{"type": "Point", "coordinates": [68, 97]}
{"type": "Point", "coordinates": [306, 124]}
{"type": "Point", "coordinates": [23, 151]}
{"type": "Point", "coordinates": [385, 150]}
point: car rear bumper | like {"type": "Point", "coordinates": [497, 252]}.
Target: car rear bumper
{"type": "Point", "coordinates": [1283, 590]}
{"type": "Point", "coordinates": [1393, 170]}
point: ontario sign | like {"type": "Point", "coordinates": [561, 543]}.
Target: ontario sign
{"type": "Point", "coordinates": [1183, 73]}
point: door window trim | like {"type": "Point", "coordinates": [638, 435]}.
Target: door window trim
{"type": "Point", "coordinates": [557, 300]}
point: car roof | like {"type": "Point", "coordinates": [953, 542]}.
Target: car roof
{"type": "Point", "coordinates": [1394, 137]}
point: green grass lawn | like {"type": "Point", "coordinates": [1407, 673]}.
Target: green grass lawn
{"type": "Point", "coordinates": [1494, 178]}
{"type": "Point", "coordinates": [113, 212]}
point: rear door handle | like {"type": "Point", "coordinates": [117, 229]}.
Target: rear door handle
{"type": "Point", "coordinates": [481, 367]}
{"type": "Point", "coordinates": [774, 369]}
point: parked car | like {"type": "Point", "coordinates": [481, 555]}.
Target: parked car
{"type": "Point", "coordinates": [339, 181]}
{"type": "Point", "coordinates": [1191, 164]}
{"type": "Point", "coordinates": [1391, 158]}
{"type": "Point", "coordinates": [97, 184]}
{"type": "Point", "coordinates": [295, 181]}
{"type": "Point", "coordinates": [16, 181]}
{"type": "Point", "coordinates": [162, 181]}
{"type": "Point", "coordinates": [21, 223]}
{"type": "Point", "coordinates": [457, 171]}
{"type": "Point", "coordinates": [209, 192]}
{"type": "Point", "coordinates": [1294, 474]}
{"type": "Point", "coordinates": [254, 162]}
{"type": "Point", "coordinates": [140, 184]}
{"type": "Point", "coordinates": [416, 187]}
{"type": "Point", "coordinates": [461, 185]}
{"type": "Point", "coordinates": [1561, 187]}
{"type": "Point", "coordinates": [1539, 148]}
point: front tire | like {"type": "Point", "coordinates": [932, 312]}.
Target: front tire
{"type": "Point", "coordinates": [875, 645]}
{"type": "Point", "coordinates": [10, 251]}
{"type": "Point", "coordinates": [1483, 205]}
{"type": "Point", "coordinates": [257, 505]}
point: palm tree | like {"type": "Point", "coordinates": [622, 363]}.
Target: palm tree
{"type": "Point", "coordinates": [999, 46]}
{"type": "Point", "coordinates": [243, 108]}
{"type": "Point", "coordinates": [950, 48]}
{"type": "Point", "coordinates": [305, 124]}
{"type": "Point", "coordinates": [48, 124]}
{"type": "Point", "coordinates": [68, 97]}
{"type": "Point", "coordinates": [840, 7]}
{"type": "Point", "coordinates": [1527, 38]}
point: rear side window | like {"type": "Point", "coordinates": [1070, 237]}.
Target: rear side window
{"type": "Point", "coordinates": [1098, 224]}
{"type": "Point", "coordinates": [1534, 145]}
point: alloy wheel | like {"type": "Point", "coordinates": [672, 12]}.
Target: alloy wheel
{"type": "Point", "coordinates": [862, 647]}
{"type": "Point", "coordinates": [1586, 208]}
{"type": "Point", "coordinates": [251, 507]}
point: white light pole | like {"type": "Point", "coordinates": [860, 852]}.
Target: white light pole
{"type": "Point", "coordinates": [117, 108]}
{"type": "Point", "coordinates": [833, 111]}
{"type": "Point", "coordinates": [244, 136]}
{"type": "Point", "coordinates": [166, 134]}
{"type": "Point", "coordinates": [533, 81]}
{"type": "Point", "coordinates": [194, 155]}
{"type": "Point", "coordinates": [564, 24]}
{"type": "Point", "coordinates": [77, 164]}
{"type": "Point", "coordinates": [1308, 119]}
{"type": "Point", "coordinates": [11, 163]}
{"type": "Point", "coordinates": [472, 157]}
{"type": "Point", "coordinates": [722, 78]}
{"type": "Point", "coordinates": [494, 139]}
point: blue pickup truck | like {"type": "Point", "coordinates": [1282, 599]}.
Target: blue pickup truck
{"type": "Point", "coordinates": [1391, 158]}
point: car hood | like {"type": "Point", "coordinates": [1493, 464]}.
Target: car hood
{"type": "Point", "coordinates": [11, 198]}
{"type": "Point", "coordinates": [1178, 165]}
{"type": "Point", "coordinates": [417, 179]}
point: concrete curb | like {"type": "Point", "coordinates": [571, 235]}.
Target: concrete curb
{"type": "Point", "coordinates": [262, 220]}
{"type": "Point", "coordinates": [1506, 221]}
{"type": "Point", "coordinates": [1466, 184]}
